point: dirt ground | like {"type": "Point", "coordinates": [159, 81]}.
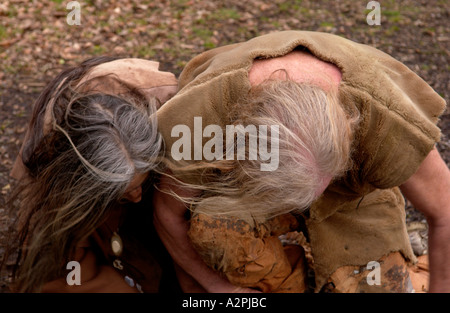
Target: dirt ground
{"type": "Point", "coordinates": [36, 42]}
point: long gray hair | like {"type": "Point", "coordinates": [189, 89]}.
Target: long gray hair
{"type": "Point", "coordinates": [315, 146]}
{"type": "Point", "coordinates": [96, 144]}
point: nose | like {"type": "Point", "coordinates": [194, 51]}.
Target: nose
{"type": "Point", "coordinates": [135, 195]}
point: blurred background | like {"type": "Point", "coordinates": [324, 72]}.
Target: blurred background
{"type": "Point", "coordinates": [37, 42]}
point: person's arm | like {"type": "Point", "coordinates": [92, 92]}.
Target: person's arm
{"type": "Point", "coordinates": [429, 191]}
{"type": "Point", "coordinates": [172, 227]}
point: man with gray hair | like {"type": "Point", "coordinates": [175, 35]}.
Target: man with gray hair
{"type": "Point", "coordinates": [357, 129]}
